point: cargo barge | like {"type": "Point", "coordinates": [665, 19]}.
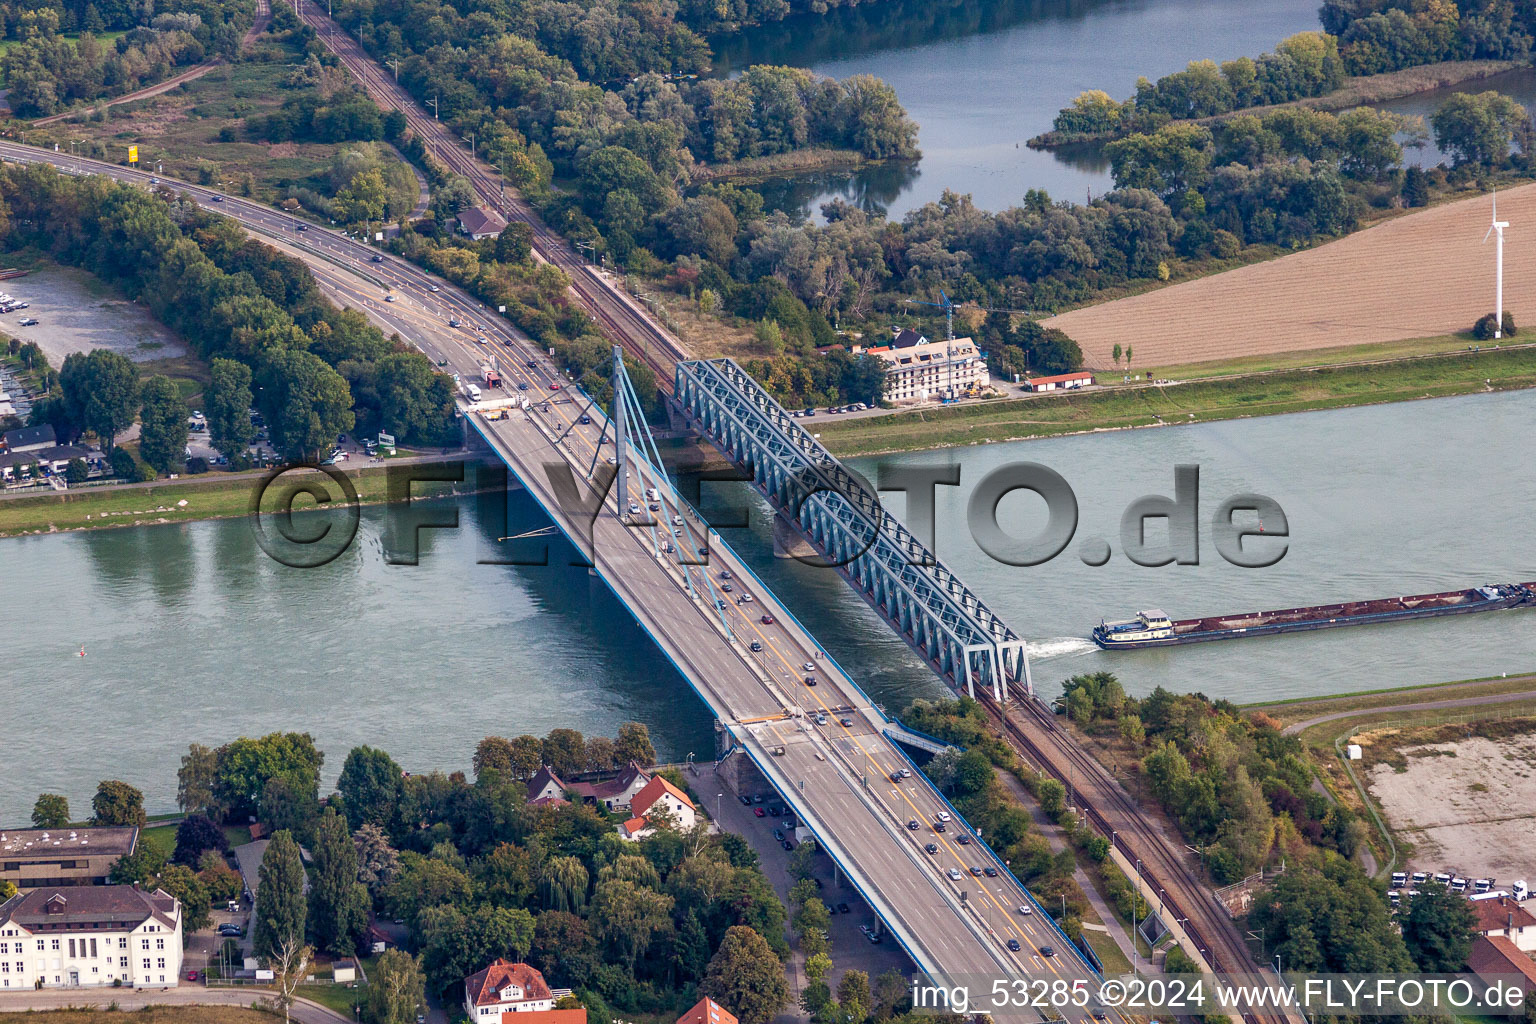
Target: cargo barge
{"type": "Point", "coordinates": [1152, 628]}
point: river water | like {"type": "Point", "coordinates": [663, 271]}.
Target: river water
{"type": "Point", "coordinates": [193, 634]}
{"type": "Point", "coordinates": [982, 76]}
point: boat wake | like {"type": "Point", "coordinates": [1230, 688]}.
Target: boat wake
{"type": "Point", "coordinates": [1060, 647]}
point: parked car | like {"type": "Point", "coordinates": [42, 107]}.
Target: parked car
{"type": "Point", "coordinates": [759, 812]}
{"type": "Point", "coordinates": [842, 908]}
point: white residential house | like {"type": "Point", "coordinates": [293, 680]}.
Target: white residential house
{"type": "Point", "coordinates": [657, 794]}
{"type": "Point", "coordinates": [506, 987]}
{"type": "Point", "coordinates": [81, 936]}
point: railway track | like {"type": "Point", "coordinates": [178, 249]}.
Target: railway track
{"type": "Point", "coordinates": [1180, 892]}
{"type": "Point", "coordinates": [614, 313]}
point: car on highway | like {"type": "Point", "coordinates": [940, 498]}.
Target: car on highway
{"type": "Point", "coordinates": [216, 199]}
{"type": "Point", "coordinates": [433, 288]}
{"type": "Point", "coordinates": [963, 840]}
{"type": "Point", "coordinates": [895, 776]}
{"type": "Point", "coordinates": [811, 681]}
{"type": "Point", "coordinates": [726, 588]}
{"type": "Point", "coordinates": [931, 847]}
{"type": "Point", "coordinates": [375, 258]}
{"type": "Point", "coordinates": [585, 419]}
{"type": "Point", "coordinates": [522, 385]}
{"type": "Point", "coordinates": [1013, 945]}
{"type": "Point", "coordinates": [809, 666]}
{"type": "Point", "coordinates": [766, 620]}
{"type": "Point", "coordinates": [913, 825]}
{"type": "Point", "coordinates": [942, 816]}
{"type": "Point", "coordinates": [1047, 951]}
{"type": "Point", "coordinates": [1098, 1013]}
{"type": "Point", "coordinates": [1026, 911]}
{"type": "Point", "coordinates": [821, 718]}
{"type": "Point", "coordinates": [954, 874]}
{"type": "Point", "coordinates": [940, 827]}
{"type": "Point", "coordinates": [302, 227]}
{"type": "Point", "coordinates": [757, 645]}
{"type": "Point", "coordinates": [389, 298]}
{"type": "Point", "coordinates": [990, 872]}
{"type": "Point", "coordinates": [554, 386]}
{"type": "Point", "coordinates": [845, 722]}
{"type": "Point", "coordinates": [452, 322]}
{"type": "Point", "coordinates": [976, 871]}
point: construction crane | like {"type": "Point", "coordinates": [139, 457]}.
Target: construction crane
{"type": "Point", "coordinates": [948, 306]}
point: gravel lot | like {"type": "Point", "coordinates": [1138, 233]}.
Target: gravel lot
{"type": "Point", "coordinates": [1466, 806]}
{"type": "Point", "coordinates": [77, 313]}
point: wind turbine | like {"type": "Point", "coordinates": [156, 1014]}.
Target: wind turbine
{"type": "Point", "coordinates": [1498, 227]}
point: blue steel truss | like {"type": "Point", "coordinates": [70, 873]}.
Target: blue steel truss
{"type": "Point", "coordinates": [918, 595]}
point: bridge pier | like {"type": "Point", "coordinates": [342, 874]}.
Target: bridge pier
{"type": "Point", "coordinates": [788, 542]}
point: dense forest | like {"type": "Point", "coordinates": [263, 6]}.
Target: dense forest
{"type": "Point", "coordinates": [314, 370]}
{"type": "Point", "coordinates": [47, 72]}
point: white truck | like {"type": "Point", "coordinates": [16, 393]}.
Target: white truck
{"type": "Point", "coordinates": [472, 392]}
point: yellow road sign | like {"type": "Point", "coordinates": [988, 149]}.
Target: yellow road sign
{"type": "Point", "coordinates": [133, 154]}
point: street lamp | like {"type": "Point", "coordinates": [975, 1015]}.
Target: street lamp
{"type": "Point", "coordinates": [434, 108]}
{"type": "Point", "coordinates": [396, 65]}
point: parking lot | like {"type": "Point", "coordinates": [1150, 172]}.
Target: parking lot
{"type": "Point", "coordinates": [851, 948]}
{"type": "Point", "coordinates": [77, 313]}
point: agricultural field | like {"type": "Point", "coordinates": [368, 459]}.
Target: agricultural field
{"type": "Point", "coordinates": [1420, 275]}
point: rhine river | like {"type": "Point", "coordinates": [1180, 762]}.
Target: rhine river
{"type": "Point", "coordinates": [982, 76]}
{"type": "Point", "coordinates": [193, 634]}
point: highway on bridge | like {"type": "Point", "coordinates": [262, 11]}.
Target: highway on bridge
{"type": "Point", "coordinates": [836, 777]}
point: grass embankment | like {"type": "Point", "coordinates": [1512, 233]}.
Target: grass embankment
{"type": "Point", "coordinates": [209, 497]}
{"type": "Point", "coordinates": [163, 837]}
{"type": "Point", "coordinates": [1221, 398]}
{"type": "Point", "coordinates": [1301, 709]}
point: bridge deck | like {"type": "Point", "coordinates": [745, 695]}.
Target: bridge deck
{"type": "Point", "coordinates": [835, 777]}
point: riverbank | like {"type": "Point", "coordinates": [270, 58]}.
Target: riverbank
{"type": "Point", "coordinates": [1355, 92]}
{"type": "Point", "coordinates": [213, 496]}
{"type": "Point", "coordinates": [1122, 408]}
{"type": "Point", "coordinates": [1306, 711]}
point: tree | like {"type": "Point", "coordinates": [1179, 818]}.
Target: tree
{"type": "Point", "coordinates": [396, 989]}
{"type": "Point", "coordinates": [377, 861]}
{"type": "Point", "coordinates": [101, 392]}
{"type": "Point", "coordinates": [141, 867]}
{"type": "Point", "coordinates": [194, 780]}
{"type": "Point", "coordinates": [282, 909]}
{"type": "Point", "coordinates": [515, 244]}
{"type": "Point", "coordinates": [370, 787]}
{"type": "Point", "coordinates": [363, 198]}
{"type": "Point", "coordinates": [634, 744]}
{"type": "Point", "coordinates": [180, 882]}
{"type": "Point", "coordinates": [563, 884]}
{"type": "Point", "coordinates": [1476, 128]}
{"type": "Point", "coordinates": [228, 400]}
{"type": "Point", "coordinates": [1438, 929]}
{"type": "Point", "coordinates": [287, 805]}
{"type": "Point", "coordinates": [565, 751]}
{"type": "Point", "coordinates": [289, 964]}
{"type": "Point", "coordinates": [338, 902]}
{"type": "Point", "coordinates": [196, 835]}
{"type": "Point", "coordinates": [527, 756]}
{"type": "Point", "coordinates": [305, 402]}
{"type": "Point", "coordinates": [50, 811]}
{"type": "Point", "coordinates": [853, 995]}
{"type": "Point", "coordinates": [77, 472]}
{"type": "Point", "coordinates": [1415, 187]}
{"type": "Point", "coordinates": [493, 753]}
{"type": "Point", "coordinates": [162, 425]}
{"type": "Point", "coordinates": [746, 977]}
{"type": "Point", "coordinates": [629, 916]}
{"type": "Point", "coordinates": [246, 765]}
{"type": "Point", "coordinates": [117, 803]}
{"type": "Point", "coordinates": [222, 882]}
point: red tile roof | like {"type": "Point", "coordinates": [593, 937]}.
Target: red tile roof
{"type": "Point", "coordinates": [1060, 378]}
{"type": "Point", "coordinates": [652, 792]}
{"type": "Point", "coordinates": [1494, 915]}
{"type": "Point", "coordinates": [484, 987]}
{"type": "Point", "coordinates": [545, 1017]}
{"type": "Point", "coordinates": [707, 1011]}
{"type": "Point", "coordinates": [1498, 955]}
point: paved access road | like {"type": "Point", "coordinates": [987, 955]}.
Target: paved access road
{"type": "Point", "coordinates": [1428, 705]}
{"type": "Point", "coordinates": [186, 994]}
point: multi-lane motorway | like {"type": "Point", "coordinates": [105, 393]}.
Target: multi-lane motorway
{"type": "Point", "coordinates": [618, 314]}
{"type": "Point", "coordinates": [835, 776]}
